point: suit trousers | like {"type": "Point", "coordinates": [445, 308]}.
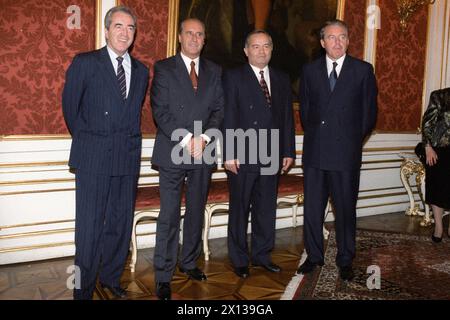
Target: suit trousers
{"type": "Point", "coordinates": [342, 187]}
{"type": "Point", "coordinates": [255, 193]}
{"type": "Point", "coordinates": [171, 182]}
{"type": "Point", "coordinates": [103, 225]}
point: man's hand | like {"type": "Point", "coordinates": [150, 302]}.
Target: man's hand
{"type": "Point", "coordinates": [196, 147]}
{"type": "Point", "coordinates": [287, 163]}
{"type": "Point", "coordinates": [232, 165]}
{"type": "Point", "coordinates": [432, 157]}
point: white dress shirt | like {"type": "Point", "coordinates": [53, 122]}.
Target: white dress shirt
{"type": "Point", "coordinates": [256, 70]}
{"type": "Point", "coordinates": [187, 62]}
{"type": "Point", "coordinates": [339, 62]}
{"type": "Point", "coordinates": [126, 63]}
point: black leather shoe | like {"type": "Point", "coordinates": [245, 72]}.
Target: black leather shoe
{"type": "Point", "coordinates": [436, 239]}
{"type": "Point", "coordinates": [307, 267]}
{"type": "Point", "coordinates": [346, 273]}
{"type": "Point", "coordinates": [118, 292]}
{"type": "Point", "coordinates": [163, 291]}
{"type": "Point", "coordinates": [272, 267]}
{"type": "Point", "coordinates": [242, 272]}
{"type": "Point", "coordinates": [195, 274]}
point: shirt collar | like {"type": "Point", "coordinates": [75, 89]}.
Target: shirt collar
{"type": "Point", "coordinates": [256, 70]}
{"type": "Point", "coordinates": [187, 61]}
{"type": "Point", "coordinates": [339, 61]}
{"type": "Point", "coordinates": [113, 55]}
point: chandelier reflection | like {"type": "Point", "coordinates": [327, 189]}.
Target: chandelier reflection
{"type": "Point", "coordinates": [406, 9]}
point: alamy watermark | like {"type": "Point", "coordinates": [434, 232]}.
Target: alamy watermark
{"type": "Point", "coordinates": [74, 280]}
{"type": "Point", "coordinates": [253, 146]}
{"type": "Point", "coordinates": [74, 20]}
{"type": "Point", "coordinates": [373, 20]}
{"type": "Point", "coordinates": [374, 280]}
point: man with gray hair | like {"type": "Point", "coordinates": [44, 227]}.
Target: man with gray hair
{"type": "Point", "coordinates": [102, 101]}
{"type": "Point", "coordinates": [338, 108]}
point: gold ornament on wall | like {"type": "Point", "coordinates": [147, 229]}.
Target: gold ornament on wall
{"type": "Point", "coordinates": [406, 8]}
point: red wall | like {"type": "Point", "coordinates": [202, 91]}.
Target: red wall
{"type": "Point", "coordinates": [400, 69]}
{"type": "Point", "coordinates": [36, 47]}
{"type": "Point", "coordinates": [150, 44]}
{"type": "Point", "coordinates": [355, 17]}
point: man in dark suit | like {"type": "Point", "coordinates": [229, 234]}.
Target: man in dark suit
{"type": "Point", "coordinates": [257, 100]}
{"type": "Point", "coordinates": [338, 107]}
{"type": "Point", "coordinates": [102, 101]}
{"type": "Point", "coordinates": [186, 89]}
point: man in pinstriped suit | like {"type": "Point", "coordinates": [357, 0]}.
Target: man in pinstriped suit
{"type": "Point", "coordinates": [102, 100]}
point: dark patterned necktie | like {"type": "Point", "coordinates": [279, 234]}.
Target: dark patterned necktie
{"type": "Point", "coordinates": [333, 76]}
{"type": "Point", "coordinates": [265, 88]}
{"type": "Point", "coordinates": [121, 78]}
{"type": "Point", "coordinates": [193, 76]}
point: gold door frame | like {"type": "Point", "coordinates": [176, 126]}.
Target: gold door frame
{"type": "Point", "coordinates": [172, 29]}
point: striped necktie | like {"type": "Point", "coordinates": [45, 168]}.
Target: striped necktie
{"type": "Point", "coordinates": [121, 78]}
{"type": "Point", "coordinates": [265, 88]}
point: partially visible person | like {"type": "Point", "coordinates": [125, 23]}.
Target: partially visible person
{"type": "Point", "coordinates": [258, 13]}
{"type": "Point", "coordinates": [436, 138]}
{"type": "Point", "coordinates": [186, 88]}
{"type": "Point", "coordinates": [338, 108]}
{"type": "Point", "coordinates": [102, 101]}
{"type": "Point", "coordinates": [257, 100]}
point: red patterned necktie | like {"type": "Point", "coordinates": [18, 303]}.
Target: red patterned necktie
{"type": "Point", "coordinates": [121, 78]}
{"type": "Point", "coordinates": [265, 88]}
{"type": "Point", "coordinates": [193, 76]}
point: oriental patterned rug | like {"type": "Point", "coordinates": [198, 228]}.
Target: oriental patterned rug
{"type": "Point", "coordinates": [410, 267]}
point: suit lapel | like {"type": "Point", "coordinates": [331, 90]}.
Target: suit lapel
{"type": "Point", "coordinates": [133, 81]}
{"type": "Point", "coordinates": [323, 74]}
{"type": "Point", "coordinates": [273, 85]}
{"type": "Point", "coordinates": [182, 75]}
{"type": "Point", "coordinates": [253, 82]}
{"type": "Point", "coordinates": [203, 79]}
{"type": "Point", "coordinates": [344, 75]}
{"type": "Point", "coordinates": [110, 73]}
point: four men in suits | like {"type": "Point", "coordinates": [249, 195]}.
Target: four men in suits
{"type": "Point", "coordinates": [102, 100]}
{"type": "Point", "coordinates": [186, 94]}
{"type": "Point", "coordinates": [338, 108]}
{"type": "Point", "coordinates": [257, 98]}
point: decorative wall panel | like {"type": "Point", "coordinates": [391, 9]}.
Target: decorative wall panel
{"type": "Point", "coordinates": [39, 39]}
{"type": "Point", "coordinates": [400, 61]}
{"type": "Point", "coordinates": [150, 44]}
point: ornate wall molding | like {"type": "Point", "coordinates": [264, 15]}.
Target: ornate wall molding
{"type": "Point", "coordinates": [406, 8]}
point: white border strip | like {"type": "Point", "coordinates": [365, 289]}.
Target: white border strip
{"type": "Point", "coordinates": [292, 286]}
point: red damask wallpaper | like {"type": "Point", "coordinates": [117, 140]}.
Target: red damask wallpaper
{"type": "Point", "coordinates": [400, 61]}
{"type": "Point", "coordinates": [36, 47]}
{"type": "Point", "coordinates": [150, 44]}
{"type": "Point", "coordinates": [355, 17]}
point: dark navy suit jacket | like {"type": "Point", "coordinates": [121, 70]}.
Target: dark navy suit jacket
{"type": "Point", "coordinates": [176, 105]}
{"type": "Point", "coordinates": [246, 108]}
{"type": "Point", "coordinates": [105, 129]}
{"type": "Point", "coordinates": [336, 123]}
